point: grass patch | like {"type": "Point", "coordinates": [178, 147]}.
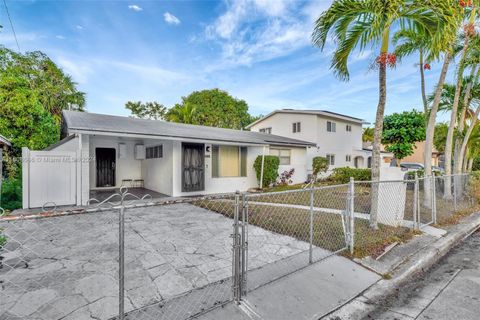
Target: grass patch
{"type": "Point", "coordinates": [328, 230]}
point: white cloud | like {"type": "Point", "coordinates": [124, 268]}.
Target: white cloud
{"type": "Point", "coordinates": [79, 27]}
{"type": "Point", "coordinates": [134, 7]}
{"type": "Point", "coordinates": [170, 18]}
{"type": "Point", "coordinates": [78, 70]}
{"type": "Point", "coordinates": [251, 31]}
{"type": "Point", "coordinates": [58, 36]}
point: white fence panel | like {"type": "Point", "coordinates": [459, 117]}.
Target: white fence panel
{"type": "Point", "coordinates": [51, 177]}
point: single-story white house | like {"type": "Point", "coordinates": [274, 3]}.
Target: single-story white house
{"type": "Point", "coordinates": [102, 152]}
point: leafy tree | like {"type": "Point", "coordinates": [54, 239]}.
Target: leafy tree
{"type": "Point", "coordinates": [33, 93]}
{"type": "Point", "coordinates": [148, 110]}
{"type": "Point", "coordinates": [54, 90]}
{"type": "Point", "coordinates": [215, 108]}
{"type": "Point", "coordinates": [360, 24]}
{"type": "Point", "coordinates": [23, 119]}
{"type": "Point", "coordinates": [401, 131]}
{"type": "Point", "coordinates": [185, 113]}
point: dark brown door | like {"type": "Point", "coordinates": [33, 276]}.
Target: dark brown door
{"type": "Point", "coordinates": [105, 167]}
{"type": "Point", "coordinates": [193, 168]}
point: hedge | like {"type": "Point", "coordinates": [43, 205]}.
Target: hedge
{"type": "Point", "coordinates": [342, 175]}
{"type": "Point", "coordinates": [270, 169]}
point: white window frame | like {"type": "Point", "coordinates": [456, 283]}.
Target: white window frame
{"type": "Point", "coordinates": [266, 130]}
{"type": "Point", "coordinates": [348, 128]}
{"type": "Point", "coordinates": [331, 159]}
{"type": "Point", "coordinates": [287, 160]}
{"type": "Point", "coordinates": [331, 126]}
{"type": "Point", "coordinates": [348, 158]}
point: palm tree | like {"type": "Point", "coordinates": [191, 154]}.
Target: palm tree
{"type": "Point", "coordinates": [358, 24]}
{"type": "Point", "coordinates": [184, 113]}
{"type": "Point", "coordinates": [407, 42]}
{"type": "Point", "coordinates": [453, 117]}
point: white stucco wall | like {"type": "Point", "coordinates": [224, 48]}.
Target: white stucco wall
{"type": "Point", "coordinates": [127, 168]}
{"type": "Point", "coordinates": [158, 173]}
{"type": "Point", "coordinates": [314, 129]}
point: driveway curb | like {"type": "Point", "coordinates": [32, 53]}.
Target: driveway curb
{"type": "Point", "coordinates": [364, 304]}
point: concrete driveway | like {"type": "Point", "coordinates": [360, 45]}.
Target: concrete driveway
{"type": "Point", "coordinates": [67, 267]}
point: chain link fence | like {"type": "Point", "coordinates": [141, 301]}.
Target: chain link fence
{"type": "Point", "coordinates": [293, 229]}
{"type": "Point", "coordinates": [140, 259]}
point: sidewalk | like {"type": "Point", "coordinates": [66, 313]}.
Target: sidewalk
{"type": "Point", "coordinates": [419, 258]}
{"type": "Point", "coordinates": [309, 293]}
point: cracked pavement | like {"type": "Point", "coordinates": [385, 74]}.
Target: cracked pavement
{"type": "Point", "coordinates": [67, 267]}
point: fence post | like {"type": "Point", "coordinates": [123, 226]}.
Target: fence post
{"type": "Point", "coordinates": [236, 251]}
{"type": "Point", "coordinates": [244, 247]}
{"type": "Point", "coordinates": [351, 191]}
{"type": "Point", "coordinates": [434, 200]}
{"type": "Point", "coordinates": [416, 214]}
{"type": "Point", "coordinates": [455, 193]}
{"type": "Point", "coordinates": [121, 261]}
{"type": "Point", "coordinates": [310, 257]}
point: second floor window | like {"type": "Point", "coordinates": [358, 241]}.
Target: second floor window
{"type": "Point", "coordinates": [349, 128]}
{"type": "Point", "coordinates": [348, 158]}
{"type": "Point", "coordinates": [296, 127]}
{"type": "Point", "coordinates": [331, 159]}
{"type": "Point", "coordinates": [331, 126]}
{"type": "Point", "coordinates": [266, 130]}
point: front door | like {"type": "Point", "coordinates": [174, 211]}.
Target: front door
{"type": "Point", "coordinates": [193, 169]}
{"type": "Point", "coordinates": [105, 167]}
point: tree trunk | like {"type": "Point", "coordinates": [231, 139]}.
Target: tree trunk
{"type": "Point", "coordinates": [467, 100]}
{"type": "Point", "coordinates": [463, 148]}
{"type": "Point", "coordinates": [470, 165]}
{"type": "Point", "coordinates": [377, 140]}
{"type": "Point", "coordinates": [461, 122]}
{"type": "Point", "coordinates": [453, 122]}
{"type": "Point", "coordinates": [422, 83]}
{"type": "Point", "coordinates": [465, 161]}
{"type": "Point", "coordinates": [427, 156]}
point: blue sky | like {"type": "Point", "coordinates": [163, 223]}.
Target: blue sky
{"type": "Point", "coordinates": [257, 50]}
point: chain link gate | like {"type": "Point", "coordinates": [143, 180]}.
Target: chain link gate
{"type": "Point", "coordinates": [293, 228]}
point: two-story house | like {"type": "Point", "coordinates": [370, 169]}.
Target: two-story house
{"type": "Point", "coordinates": [337, 137]}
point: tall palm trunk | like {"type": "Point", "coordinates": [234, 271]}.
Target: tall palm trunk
{"type": "Point", "coordinates": [427, 156]}
{"type": "Point", "coordinates": [466, 105]}
{"type": "Point", "coordinates": [463, 148]}
{"type": "Point", "coordinates": [377, 136]}
{"type": "Point", "coordinates": [470, 165]}
{"type": "Point", "coordinates": [453, 122]}
{"type": "Point", "coordinates": [422, 83]}
{"type": "Point", "coordinates": [458, 156]}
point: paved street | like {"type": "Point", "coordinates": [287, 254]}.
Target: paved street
{"type": "Point", "coordinates": [448, 291]}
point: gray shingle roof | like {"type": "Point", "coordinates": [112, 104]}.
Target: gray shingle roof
{"type": "Point", "coordinates": [84, 121]}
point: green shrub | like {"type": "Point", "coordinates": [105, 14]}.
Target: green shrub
{"type": "Point", "coordinates": [11, 194]}
{"type": "Point", "coordinates": [342, 175]}
{"type": "Point", "coordinates": [319, 164]}
{"type": "Point", "coordinates": [270, 169]}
